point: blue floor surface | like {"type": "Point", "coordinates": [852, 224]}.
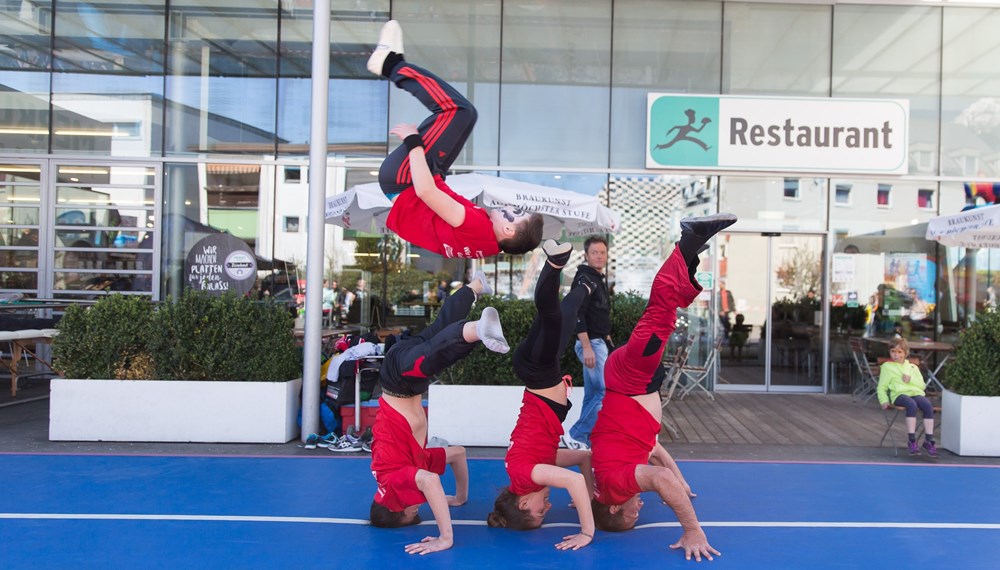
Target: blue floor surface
{"type": "Point", "coordinates": [90, 511]}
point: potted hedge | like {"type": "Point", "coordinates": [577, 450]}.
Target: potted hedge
{"type": "Point", "coordinates": [199, 368]}
{"type": "Point", "coordinates": [970, 408]}
{"type": "Point", "coordinates": [477, 399]}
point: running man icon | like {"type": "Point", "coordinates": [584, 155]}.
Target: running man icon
{"type": "Point", "coordinates": [683, 132]}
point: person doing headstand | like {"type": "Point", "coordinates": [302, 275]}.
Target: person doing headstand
{"type": "Point", "coordinates": [534, 463]}
{"type": "Point", "coordinates": [627, 457]}
{"type": "Point", "coordinates": [407, 473]}
{"type": "Point", "coordinates": [425, 211]}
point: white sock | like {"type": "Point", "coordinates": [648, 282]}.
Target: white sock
{"type": "Point", "coordinates": [490, 332]}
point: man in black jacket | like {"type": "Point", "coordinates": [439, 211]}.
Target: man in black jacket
{"type": "Point", "coordinates": [593, 332]}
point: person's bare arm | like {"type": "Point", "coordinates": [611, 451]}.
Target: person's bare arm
{"type": "Point", "coordinates": [456, 457]}
{"type": "Point", "coordinates": [442, 204]}
{"type": "Point", "coordinates": [430, 485]}
{"type": "Point", "coordinates": [665, 483]}
{"type": "Point", "coordinates": [552, 476]}
{"type": "Point", "coordinates": [589, 358]}
{"type": "Point", "coordinates": [579, 458]}
{"type": "Point", "coordinates": [661, 457]}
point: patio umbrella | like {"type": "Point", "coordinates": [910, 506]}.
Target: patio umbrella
{"type": "Point", "coordinates": [364, 208]}
{"type": "Point", "coordinates": [979, 227]}
{"type": "Point", "coordinates": [576, 214]}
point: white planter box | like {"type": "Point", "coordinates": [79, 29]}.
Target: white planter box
{"type": "Point", "coordinates": [481, 415]}
{"type": "Point", "coordinates": [970, 425]}
{"type": "Point", "coordinates": [176, 411]}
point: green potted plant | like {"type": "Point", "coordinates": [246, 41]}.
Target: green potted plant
{"type": "Point", "coordinates": [195, 368]}
{"type": "Point", "coordinates": [970, 407]}
{"type": "Point", "coordinates": [477, 399]}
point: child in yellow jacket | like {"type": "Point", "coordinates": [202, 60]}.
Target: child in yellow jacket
{"type": "Point", "coordinates": [901, 383]}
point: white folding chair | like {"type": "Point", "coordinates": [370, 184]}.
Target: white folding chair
{"type": "Point", "coordinates": [696, 376]}
{"type": "Point", "coordinates": [868, 386]}
{"type": "Point", "coordinates": [673, 363]}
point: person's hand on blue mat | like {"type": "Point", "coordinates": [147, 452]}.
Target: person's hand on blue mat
{"type": "Point", "coordinates": [454, 501]}
{"type": "Point", "coordinates": [575, 541]}
{"type": "Point", "coordinates": [694, 542]}
{"type": "Point", "coordinates": [429, 544]}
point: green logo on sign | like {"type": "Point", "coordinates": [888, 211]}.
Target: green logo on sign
{"type": "Point", "coordinates": [684, 131]}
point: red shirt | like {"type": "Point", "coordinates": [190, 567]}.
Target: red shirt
{"type": "Point", "coordinates": [396, 457]}
{"type": "Point", "coordinates": [535, 440]}
{"type": "Point", "coordinates": [623, 437]}
{"type": "Point", "coordinates": [411, 219]}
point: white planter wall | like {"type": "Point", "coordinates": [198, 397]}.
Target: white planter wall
{"type": "Point", "coordinates": [970, 425]}
{"type": "Point", "coordinates": [481, 415]}
{"type": "Point", "coordinates": [174, 411]}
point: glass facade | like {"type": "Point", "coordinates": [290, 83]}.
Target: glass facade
{"type": "Point", "coordinates": [128, 129]}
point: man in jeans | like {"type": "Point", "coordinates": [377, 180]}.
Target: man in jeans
{"type": "Point", "coordinates": [593, 332]}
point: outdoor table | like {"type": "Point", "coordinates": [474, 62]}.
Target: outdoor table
{"type": "Point", "coordinates": [923, 349]}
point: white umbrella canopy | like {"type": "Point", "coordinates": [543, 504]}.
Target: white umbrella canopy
{"type": "Point", "coordinates": [979, 227]}
{"type": "Point", "coordinates": [577, 214]}
{"type": "Point", "coordinates": [364, 208]}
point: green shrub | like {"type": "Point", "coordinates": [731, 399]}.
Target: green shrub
{"type": "Point", "coordinates": [102, 340]}
{"type": "Point", "coordinates": [195, 337]}
{"type": "Point", "coordinates": [489, 368]}
{"type": "Point", "coordinates": [975, 368]}
{"type": "Point", "coordinates": [203, 337]}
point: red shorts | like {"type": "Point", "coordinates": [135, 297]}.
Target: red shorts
{"type": "Point", "coordinates": [615, 486]}
{"type": "Point", "coordinates": [398, 489]}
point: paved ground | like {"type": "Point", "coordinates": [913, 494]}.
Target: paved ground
{"type": "Point", "coordinates": [24, 429]}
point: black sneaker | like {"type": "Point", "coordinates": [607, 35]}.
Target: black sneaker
{"type": "Point", "coordinates": [707, 226]}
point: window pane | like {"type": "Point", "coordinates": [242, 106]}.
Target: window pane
{"type": "Point", "coordinates": [970, 129]}
{"type": "Point", "coordinates": [24, 62]}
{"type": "Point", "coordinates": [892, 51]}
{"type": "Point", "coordinates": [108, 82]}
{"type": "Point", "coordinates": [221, 77]}
{"type": "Point", "coordinates": [776, 48]}
{"type": "Point", "coordinates": [357, 99]}
{"type": "Point", "coordinates": [658, 47]}
{"type": "Point", "coordinates": [760, 202]}
{"type": "Point", "coordinates": [556, 72]}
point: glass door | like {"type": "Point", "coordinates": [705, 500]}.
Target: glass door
{"type": "Point", "coordinates": [768, 304]}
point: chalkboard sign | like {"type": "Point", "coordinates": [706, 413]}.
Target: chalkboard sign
{"type": "Point", "coordinates": [220, 263]}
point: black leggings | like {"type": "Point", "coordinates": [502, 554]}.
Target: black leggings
{"type": "Point", "coordinates": [536, 358]}
{"type": "Point", "coordinates": [410, 363]}
{"type": "Point", "coordinates": [444, 132]}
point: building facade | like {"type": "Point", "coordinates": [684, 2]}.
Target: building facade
{"type": "Point", "coordinates": [129, 130]}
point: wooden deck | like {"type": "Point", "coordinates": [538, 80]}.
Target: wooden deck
{"type": "Point", "coordinates": [777, 419]}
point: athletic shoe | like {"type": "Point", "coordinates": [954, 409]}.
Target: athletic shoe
{"type": "Point", "coordinates": [345, 445]}
{"type": "Point", "coordinates": [557, 253]}
{"type": "Point", "coordinates": [366, 447]}
{"type": "Point", "coordinates": [437, 442]}
{"type": "Point", "coordinates": [930, 448]}
{"type": "Point", "coordinates": [390, 40]}
{"type": "Point", "coordinates": [568, 442]}
{"type": "Point", "coordinates": [487, 290]}
{"type": "Point", "coordinates": [707, 226]}
{"type": "Point", "coordinates": [328, 440]}
{"type": "Point", "coordinates": [490, 332]}
{"type": "Point", "coordinates": [311, 441]}
{"type": "Point", "coordinates": [914, 449]}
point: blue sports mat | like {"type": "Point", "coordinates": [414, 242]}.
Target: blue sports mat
{"type": "Point", "coordinates": [289, 512]}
